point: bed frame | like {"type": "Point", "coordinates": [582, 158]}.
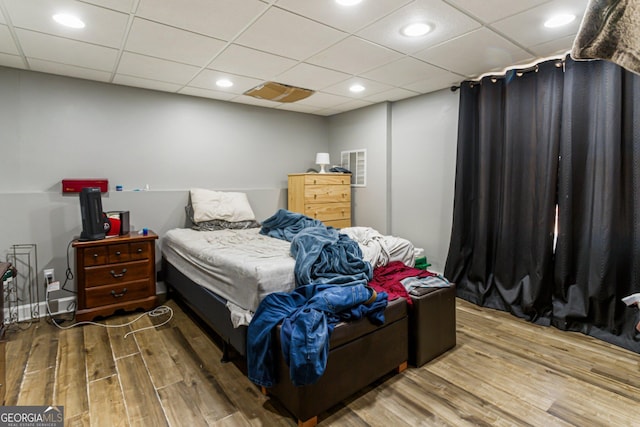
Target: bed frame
{"type": "Point", "coordinates": [360, 352]}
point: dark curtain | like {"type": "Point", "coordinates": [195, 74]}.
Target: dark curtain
{"type": "Point", "coordinates": [528, 143]}
{"type": "Point", "coordinates": [598, 249]}
{"type": "Point", "coordinates": [501, 250]}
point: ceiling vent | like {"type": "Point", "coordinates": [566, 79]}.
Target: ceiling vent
{"type": "Point", "coordinates": [279, 92]}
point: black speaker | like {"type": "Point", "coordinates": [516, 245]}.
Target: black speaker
{"type": "Point", "coordinates": [95, 223]}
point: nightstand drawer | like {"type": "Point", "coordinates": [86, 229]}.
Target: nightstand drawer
{"type": "Point", "coordinates": [95, 256]}
{"type": "Point", "coordinates": [140, 250]}
{"type": "Point", "coordinates": [114, 294]}
{"type": "Point", "coordinates": [116, 273]}
{"type": "Point", "coordinates": [119, 253]}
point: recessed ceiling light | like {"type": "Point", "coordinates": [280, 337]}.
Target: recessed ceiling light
{"type": "Point", "coordinates": [356, 88]}
{"type": "Point", "coordinates": [559, 20]}
{"type": "Point", "coordinates": [68, 20]}
{"type": "Point", "coordinates": [348, 2]}
{"type": "Point", "coordinates": [416, 29]}
{"type": "Point", "coordinates": [224, 83]}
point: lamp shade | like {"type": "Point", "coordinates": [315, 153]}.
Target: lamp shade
{"type": "Point", "coordinates": [322, 159]}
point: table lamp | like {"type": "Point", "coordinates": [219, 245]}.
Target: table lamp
{"type": "Point", "coordinates": [322, 159]}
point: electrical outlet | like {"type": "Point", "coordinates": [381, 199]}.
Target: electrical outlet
{"type": "Point", "coordinates": [49, 275]}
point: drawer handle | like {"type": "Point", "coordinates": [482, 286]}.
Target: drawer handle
{"type": "Point", "coordinates": [95, 256]}
{"type": "Point", "coordinates": [121, 294]}
{"type": "Point", "coordinates": [118, 275]}
{"type": "Point", "coordinates": [139, 250]}
{"type": "Point", "coordinates": [117, 253]}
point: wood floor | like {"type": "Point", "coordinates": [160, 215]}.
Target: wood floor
{"type": "Point", "coordinates": [502, 372]}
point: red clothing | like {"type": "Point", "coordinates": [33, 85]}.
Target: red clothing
{"type": "Point", "coordinates": [387, 279]}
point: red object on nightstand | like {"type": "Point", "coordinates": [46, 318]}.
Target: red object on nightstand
{"type": "Point", "coordinates": [76, 185]}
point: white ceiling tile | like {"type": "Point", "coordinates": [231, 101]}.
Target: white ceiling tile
{"type": "Point", "coordinates": [297, 107]}
{"type": "Point", "coordinates": [528, 28]}
{"type": "Point", "coordinates": [145, 83]}
{"type": "Point", "coordinates": [66, 51]}
{"type": "Point", "coordinates": [344, 18]}
{"type": "Point", "coordinates": [492, 10]}
{"type": "Point", "coordinates": [250, 100]}
{"type": "Point", "coordinates": [207, 93]}
{"type": "Point", "coordinates": [353, 105]}
{"type": "Point", "coordinates": [222, 19]}
{"type": "Point", "coordinates": [323, 100]}
{"type": "Point", "coordinates": [206, 79]}
{"type": "Point", "coordinates": [394, 94]}
{"type": "Point", "coordinates": [474, 53]}
{"type": "Point", "coordinates": [68, 70]}
{"type": "Point", "coordinates": [447, 22]}
{"type": "Point", "coordinates": [147, 67]}
{"type": "Point", "coordinates": [556, 47]}
{"type": "Point", "coordinates": [311, 77]}
{"type": "Point", "coordinates": [103, 26]}
{"type": "Point", "coordinates": [354, 55]}
{"type": "Point", "coordinates": [7, 44]}
{"type": "Point", "coordinates": [125, 6]}
{"type": "Point", "coordinates": [401, 72]}
{"type": "Point", "coordinates": [13, 61]}
{"type": "Point", "coordinates": [161, 41]}
{"type": "Point", "coordinates": [283, 33]}
{"type": "Point", "coordinates": [436, 81]}
{"type": "Point", "coordinates": [371, 88]}
{"type": "Point", "coordinates": [250, 62]}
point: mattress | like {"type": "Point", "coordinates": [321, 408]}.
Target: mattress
{"type": "Point", "coordinates": [241, 266]}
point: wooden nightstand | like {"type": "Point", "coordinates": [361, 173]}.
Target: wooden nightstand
{"type": "Point", "coordinates": [116, 273]}
{"type": "Point", "coordinates": [322, 196]}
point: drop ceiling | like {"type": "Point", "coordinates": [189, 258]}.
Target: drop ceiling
{"type": "Point", "coordinates": [185, 46]}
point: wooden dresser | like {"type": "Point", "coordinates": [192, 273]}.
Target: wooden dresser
{"type": "Point", "coordinates": [117, 273]}
{"type": "Point", "coordinates": [323, 196]}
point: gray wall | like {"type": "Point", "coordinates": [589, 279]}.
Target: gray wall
{"type": "Point", "coordinates": [424, 134]}
{"type": "Point", "coordinates": [411, 150]}
{"type": "Point", "coordinates": [52, 127]}
{"type": "Point", "coordinates": [366, 128]}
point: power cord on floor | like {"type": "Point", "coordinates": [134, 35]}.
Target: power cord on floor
{"type": "Point", "coordinates": [156, 312]}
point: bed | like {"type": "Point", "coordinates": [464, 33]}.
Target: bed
{"type": "Point", "coordinates": [224, 274]}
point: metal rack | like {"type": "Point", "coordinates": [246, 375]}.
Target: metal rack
{"type": "Point", "coordinates": [21, 294]}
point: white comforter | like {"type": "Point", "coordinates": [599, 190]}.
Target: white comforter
{"type": "Point", "coordinates": [380, 250]}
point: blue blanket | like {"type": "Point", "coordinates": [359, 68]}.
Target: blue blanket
{"type": "Point", "coordinates": [322, 254]}
{"type": "Point", "coordinates": [284, 224]}
{"type": "Point", "coordinates": [325, 256]}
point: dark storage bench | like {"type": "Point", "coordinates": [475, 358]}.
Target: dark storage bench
{"type": "Point", "coordinates": [432, 324]}
{"type": "Point", "coordinates": [360, 353]}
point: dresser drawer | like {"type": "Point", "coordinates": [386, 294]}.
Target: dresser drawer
{"type": "Point", "coordinates": [327, 179]}
{"type": "Point", "coordinates": [328, 211]}
{"type": "Point", "coordinates": [95, 256]}
{"type": "Point", "coordinates": [115, 294]}
{"type": "Point", "coordinates": [116, 273]}
{"type": "Point", "coordinates": [118, 253]}
{"type": "Point", "coordinates": [338, 223]}
{"type": "Point", "coordinates": [327, 193]}
{"type": "Point", "coordinates": [140, 250]}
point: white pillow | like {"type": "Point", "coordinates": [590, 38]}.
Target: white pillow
{"type": "Point", "coordinates": [209, 205]}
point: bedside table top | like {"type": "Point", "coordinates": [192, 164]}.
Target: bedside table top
{"type": "Point", "coordinates": [132, 236]}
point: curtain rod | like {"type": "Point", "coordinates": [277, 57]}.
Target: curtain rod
{"type": "Point", "coordinates": [532, 66]}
